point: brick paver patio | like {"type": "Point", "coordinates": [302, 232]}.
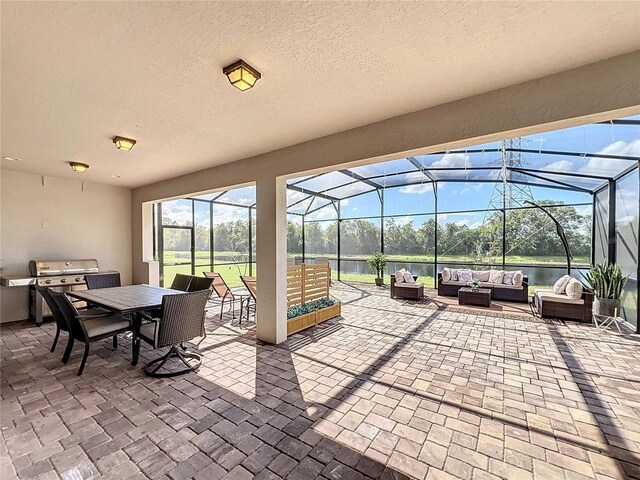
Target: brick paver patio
{"type": "Point", "coordinates": [391, 389]}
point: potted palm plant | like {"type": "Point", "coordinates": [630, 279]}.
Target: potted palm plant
{"type": "Point", "coordinates": [378, 263]}
{"type": "Point", "coordinates": [606, 282]}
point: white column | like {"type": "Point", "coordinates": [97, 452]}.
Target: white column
{"type": "Point", "coordinates": [271, 238]}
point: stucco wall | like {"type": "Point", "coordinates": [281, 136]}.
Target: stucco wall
{"type": "Point", "coordinates": [58, 220]}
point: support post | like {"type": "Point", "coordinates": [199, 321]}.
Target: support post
{"type": "Point", "coordinates": [435, 237]}
{"type": "Point", "coordinates": [338, 239]}
{"type": "Point", "coordinates": [611, 252]}
{"type": "Point", "coordinates": [250, 244]}
{"type": "Point", "coordinates": [304, 250]}
{"type": "Point", "coordinates": [271, 223]}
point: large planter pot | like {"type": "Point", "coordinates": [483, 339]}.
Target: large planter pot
{"type": "Point", "coordinates": [379, 282]}
{"type": "Point", "coordinates": [605, 306]}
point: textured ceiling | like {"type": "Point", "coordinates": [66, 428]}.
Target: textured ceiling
{"type": "Point", "coordinates": [74, 74]}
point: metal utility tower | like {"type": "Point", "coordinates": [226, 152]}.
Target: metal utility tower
{"type": "Point", "coordinates": [506, 194]}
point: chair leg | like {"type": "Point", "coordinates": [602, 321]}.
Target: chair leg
{"type": "Point", "coordinates": [67, 352]}
{"type": "Point", "coordinates": [152, 368]}
{"type": "Point", "coordinates": [221, 308]}
{"type": "Point", "coordinates": [84, 358]}
{"type": "Point", "coordinates": [115, 342]}
{"type": "Point", "coordinates": [55, 340]}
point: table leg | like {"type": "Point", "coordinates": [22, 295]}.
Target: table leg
{"type": "Point", "coordinates": [135, 342]}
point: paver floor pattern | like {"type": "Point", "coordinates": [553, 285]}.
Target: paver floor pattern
{"type": "Point", "coordinates": [389, 390]}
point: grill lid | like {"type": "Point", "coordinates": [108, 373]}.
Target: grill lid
{"type": "Point", "coordinates": [42, 268]}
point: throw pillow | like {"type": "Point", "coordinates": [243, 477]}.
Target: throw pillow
{"type": "Point", "coordinates": [507, 278]}
{"type": "Point", "coordinates": [454, 274]}
{"type": "Point", "coordinates": [408, 277]}
{"type": "Point", "coordinates": [482, 275]}
{"type": "Point", "coordinates": [561, 284]}
{"type": "Point", "coordinates": [465, 275]}
{"type": "Point", "coordinates": [399, 275]}
{"type": "Point", "coordinates": [495, 276]}
{"type": "Point", "coordinates": [446, 274]}
{"type": "Point", "coordinates": [574, 289]}
{"type": "Point", "coordinates": [518, 278]}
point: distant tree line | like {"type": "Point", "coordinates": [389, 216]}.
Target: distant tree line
{"type": "Point", "coordinates": [529, 232]}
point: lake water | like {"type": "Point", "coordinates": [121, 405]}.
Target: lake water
{"type": "Point", "coordinates": [537, 275]}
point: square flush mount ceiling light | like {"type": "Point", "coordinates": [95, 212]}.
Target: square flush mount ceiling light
{"type": "Point", "coordinates": [123, 143]}
{"type": "Point", "coordinates": [78, 167]}
{"type": "Point", "coordinates": [241, 75]}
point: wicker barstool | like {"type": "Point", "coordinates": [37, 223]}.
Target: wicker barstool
{"type": "Point", "coordinates": [102, 280]}
{"type": "Point", "coordinates": [182, 320]}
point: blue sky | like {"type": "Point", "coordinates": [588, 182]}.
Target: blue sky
{"type": "Point", "coordinates": [452, 196]}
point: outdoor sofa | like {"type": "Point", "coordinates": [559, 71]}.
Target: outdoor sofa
{"type": "Point", "coordinates": [448, 287]}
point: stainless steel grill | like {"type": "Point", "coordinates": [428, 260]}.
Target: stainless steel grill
{"type": "Point", "coordinates": [63, 275]}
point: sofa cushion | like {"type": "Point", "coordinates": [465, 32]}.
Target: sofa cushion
{"type": "Point", "coordinates": [454, 274]}
{"type": "Point", "coordinates": [410, 285]}
{"type": "Point", "coordinates": [399, 274]}
{"type": "Point", "coordinates": [574, 289]}
{"type": "Point", "coordinates": [446, 274]}
{"type": "Point", "coordinates": [548, 295]}
{"type": "Point", "coordinates": [500, 286]}
{"type": "Point", "coordinates": [507, 278]}
{"type": "Point", "coordinates": [482, 275]}
{"type": "Point", "coordinates": [495, 276]}
{"type": "Point", "coordinates": [518, 278]}
{"type": "Point", "coordinates": [561, 284]}
{"type": "Point", "coordinates": [465, 275]}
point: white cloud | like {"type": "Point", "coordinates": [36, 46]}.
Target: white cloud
{"type": "Point", "coordinates": [475, 225]}
{"type": "Point", "coordinates": [602, 166]}
{"type": "Point", "coordinates": [623, 148]}
{"type": "Point", "coordinates": [560, 166]}
{"type": "Point", "coordinates": [463, 222]}
{"type": "Point", "coordinates": [419, 189]}
{"type": "Point", "coordinates": [451, 160]}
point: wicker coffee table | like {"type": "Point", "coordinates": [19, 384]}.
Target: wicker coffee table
{"type": "Point", "coordinates": [480, 297]}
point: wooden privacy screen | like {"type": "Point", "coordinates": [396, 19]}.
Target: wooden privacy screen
{"type": "Point", "coordinates": [307, 282]}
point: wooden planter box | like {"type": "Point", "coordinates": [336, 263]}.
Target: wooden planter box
{"type": "Point", "coordinates": [312, 319]}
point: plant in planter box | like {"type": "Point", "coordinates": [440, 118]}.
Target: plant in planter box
{"type": "Point", "coordinates": [606, 282]}
{"type": "Point", "coordinates": [378, 263]}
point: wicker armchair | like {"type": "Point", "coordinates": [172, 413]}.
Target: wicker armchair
{"type": "Point", "coordinates": [182, 320]}
{"type": "Point", "coordinates": [89, 328]}
{"type": "Point", "coordinates": [103, 280]}
{"type": "Point", "coordinates": [410, 291]}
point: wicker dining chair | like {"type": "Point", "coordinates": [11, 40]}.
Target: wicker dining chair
{"type": "Point", "coordinates": [182, 320]}
{"type": "Point", "coordinates": [103, 280]}
{"type": "Point", "coordinates": [199, 283]}
{"type": "Point", "coordinates": [89, 328]}
{"type": "Point", "coordinates": [181, 282]}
